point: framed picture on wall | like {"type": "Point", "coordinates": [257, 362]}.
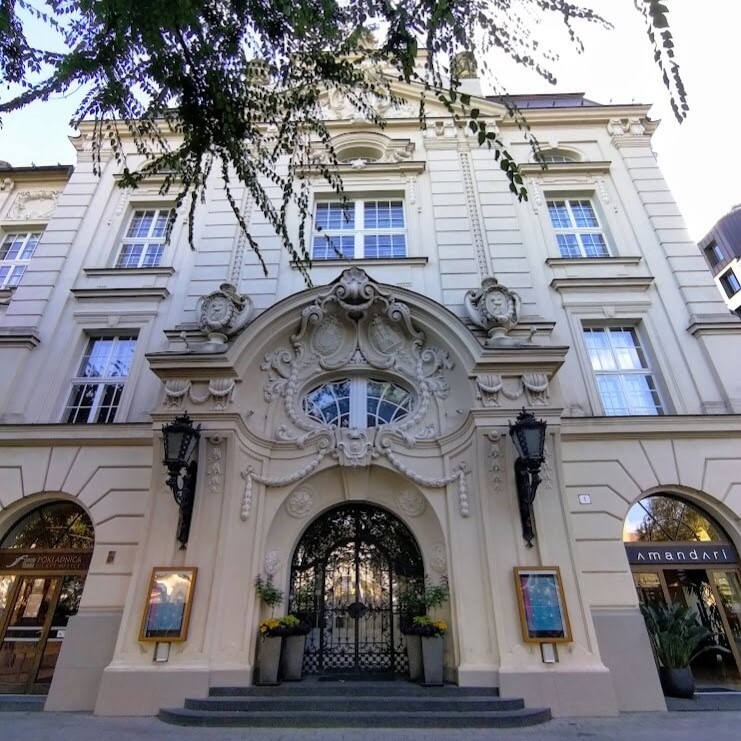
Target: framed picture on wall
{"type": "Point", "coordinates": [543, 614]}
{"type": "Point", "coordinates": [169, 599]}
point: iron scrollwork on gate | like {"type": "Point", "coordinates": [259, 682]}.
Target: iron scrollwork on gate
{"type": "Point", "coordinates": [349, 573]}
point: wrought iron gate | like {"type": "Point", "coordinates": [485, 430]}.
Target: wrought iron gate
{"type": "Point", "coordinates": [349, 573]}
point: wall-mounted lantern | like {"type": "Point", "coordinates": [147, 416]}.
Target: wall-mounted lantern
{"type": "Point", "coordinates": [528, 436]}
{"type": "Point", "coordinates": [181, 442]}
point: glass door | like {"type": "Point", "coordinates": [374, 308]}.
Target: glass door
{"type": "Point", "coordinates": [27, 620]}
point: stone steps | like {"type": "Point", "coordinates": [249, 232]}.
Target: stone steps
{"type": "Point", "coordinates": [22, 703]}
{"type": "Point", "coordinates": [396, 704]}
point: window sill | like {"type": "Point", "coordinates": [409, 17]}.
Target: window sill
{"type": "Point", "coordinates": [107, 272]}
{"type": "Point", "coordinates": [569, 261]}
{"type": "Point", "coordinates": [367, 261]}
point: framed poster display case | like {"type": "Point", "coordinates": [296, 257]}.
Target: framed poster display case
{"type": "Point", "coordinates": [543, 614]}
{"type": "Point", "coordinates": [169, 600]}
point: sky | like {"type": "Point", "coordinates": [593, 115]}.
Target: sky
{"type": "Point", "coordinates": [699, 158]}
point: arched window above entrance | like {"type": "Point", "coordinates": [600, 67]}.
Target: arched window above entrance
{"type": "Point", "coordinates": [62, 525]}
{"type": "Point", "coordinates": [662, 518]}
{"type": "Point", "coordinates": [358, 402]}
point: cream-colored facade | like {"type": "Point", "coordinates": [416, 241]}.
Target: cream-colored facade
{"type": "Point", "coordinates": [267, 469]}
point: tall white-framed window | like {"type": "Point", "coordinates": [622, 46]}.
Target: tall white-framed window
{"type": "Point", "coordinates": [99, 382]}
{"type": "Point", "coordinates": [577, 228]}
{"type": "Point", "coordinates": [143, 244]}
{"type": "Point", "coordinates": [623, 374]}
{"type": "Point", "coordinates": [358, 402]}
{"type": "Point", "coordinates": [16, 251]}
{"type": "Point", "coordinates": [360, 229]}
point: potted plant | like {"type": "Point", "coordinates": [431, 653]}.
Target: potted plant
{"type": "Point", "coordinates": [417, 601]}
{"type": "Point", "coordinates": [430, 634]}
{"type": "Point", "coordinates": [271, 636]}
{"type": "Point", "coordinates": [676, 636]}
{"type": "Point", "coordinates": [294, 633]}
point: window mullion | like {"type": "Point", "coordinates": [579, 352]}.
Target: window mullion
{"type": "Point", "coordinates": [358, 402]}
{"type": "Point", "coordinates": [359, 229]}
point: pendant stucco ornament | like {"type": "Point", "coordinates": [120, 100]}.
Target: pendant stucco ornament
{"type": "Point", "coordinates": [221, 315]}
{"type": "Point", "coordinates": [496, 309]}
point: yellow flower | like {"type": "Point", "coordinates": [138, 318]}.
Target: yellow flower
{"type": "Point", "coordinates": [268, 626]}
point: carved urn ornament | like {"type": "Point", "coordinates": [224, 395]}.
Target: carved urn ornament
{"type": "Point", "coordinates": [496, 309]}
{"type": "Point", "coordinates": [222, 314]}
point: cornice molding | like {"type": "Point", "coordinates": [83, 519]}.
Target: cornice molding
{"type": "Point", "coordinates": [25, 337]}
{"type": "Point", "coordinates": [603, 283]}
{"type": "Point", "coordinates": [570, 168]}
{"type": "Point", "coordinates": [606, 429]}
{"type": "Point", "coordinates": [564, 262]}
{"type": "Point", "coordinates": [121, 272]}
{"type": "Point", "coordinates": [120, 294]}
{"type": "Point", "coordinates": [705, 324]}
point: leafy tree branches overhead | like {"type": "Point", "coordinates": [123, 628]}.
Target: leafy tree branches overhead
{"type": "Point", "coordinates": [233, 88]}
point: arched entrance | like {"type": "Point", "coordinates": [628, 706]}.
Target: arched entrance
{"type": "Point", "coordinates": [44, 559]}
{"type": "Point", "coordinates": [349, 571]}
{"type": "Point", "coordinates": [679, 554]}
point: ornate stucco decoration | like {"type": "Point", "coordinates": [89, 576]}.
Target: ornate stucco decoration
{"type": "Point", "coordinates": [496, 309]}
{"type": "Point", "coordinates": [496, 459]}
{"type": "Point", "coordinates": [272, 562]}
{"type": "Point", "coordinates": [355, 324]}
{"type": "Point", "coordinates": [411, 502]}
{"type": "Point", "coordinates": [220, 393]}
{"type": "Point", "coordinates": [300, 502]}
{"type": "Point", "coordinates": [439, 559]}
{"type": "Point", "coordinates": [533, 385]}
{"type": "Point", "coordinates": [33, 204]}
{"type": "Point", "coordinates": [221, 315]}
{"type": "Point", "coordinates": [213, 463]}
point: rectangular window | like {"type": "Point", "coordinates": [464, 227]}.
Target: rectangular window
{"type": "Point", "coordinates": [16, 251]}
{"type": "Point", "coordinates": [358, 230]}
{"type": "Point", "coordinates": [731, 285]}
{"type": "Point", "coordinates": [97, 388]}
{"type": "Point", "coordinates": [144, 242]}
{"type": "Point", "coordinates": [624, 379]}
{"type": "Point", "coordinates": [714, 254]}
{"type": "Point", "coordinates": [578, 231]}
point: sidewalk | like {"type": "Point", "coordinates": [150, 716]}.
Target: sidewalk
{"type": "Point", "coordinates": [690, 726]}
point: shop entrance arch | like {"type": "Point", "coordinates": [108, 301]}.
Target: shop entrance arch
{"type": "Point", "coordinates": [349, 573]}
{"type": "Point", "coordinates": [679, 554]}
{"type": "Point", "coordinates": [44, 559]}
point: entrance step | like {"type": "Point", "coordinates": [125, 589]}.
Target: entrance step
{"type": "Point", "coordinates": [314, 704]}
{"type": "Point", "coordinates": [22, 703]}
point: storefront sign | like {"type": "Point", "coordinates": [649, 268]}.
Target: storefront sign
{"type": "Point", "coordinates": [666, 553]}
{"type": "Point", "coordinates": [13, 559]}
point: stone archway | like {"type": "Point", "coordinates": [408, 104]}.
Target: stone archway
{"type": "Point", "coordinates": [44, 559]}
{"type": "Point", "coordinates": [348, 575]}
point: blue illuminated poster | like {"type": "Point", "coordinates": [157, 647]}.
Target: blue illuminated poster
{"type": "Point", "coordinates": [542, 608]}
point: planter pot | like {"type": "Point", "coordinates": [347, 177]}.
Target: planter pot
{"type": "Point", "coordinates": [432, 660]}
{"type": "Point", "coordinates": [268, 659]}
{"type": "Point", "coordinates": [292, 658]}
{"type": "Point", "coordinates": [414, 654]}
{"type": "Point", "coordinates": [677, 682]}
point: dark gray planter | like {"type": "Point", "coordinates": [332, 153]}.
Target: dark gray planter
{"type": "Point", "coordinates": [292, 658]}
{"type": "Point", "coordinates": [677, 682]}
{"type": "Point", "coordinates": [268, 659]}
{"type": "Point", "coordinates": [432, 660]}
{"type": "Point", "coordinates": [414, 654]}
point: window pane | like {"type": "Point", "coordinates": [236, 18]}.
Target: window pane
{"type": "Point", "coordinates": [640, 394]}
{"type": "Point", "coordinates": [141, 223]}
{"type": "Point", "coordinates": [333, 216]}
{"type": "Point", "coordinates": [568, 245]}
{"type": "Point", "coordinates": [30, 247]}
{"type": "Point", "coordinates": [598, 347]}
{"type": "Point", "coordinates": [612, 396]}
{"type": "Point", "coordinates": [626, 349]}
{"type": "Point", "coordinates": [559, 214]}
{"type": "Point", "coordinates": [584, 215]}
{"type": "Point", "coordinates": [384, 215]}
{"type": "Point", "coordinates": [333, 247]}
{"type": "Point", "coordinates": [594, 245]}
{"type": "Point", "coordinates": [130, 255]}
{"type": "Point", "coordinates": [16, 275]}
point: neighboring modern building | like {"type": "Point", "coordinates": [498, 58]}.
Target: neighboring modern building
{"type": "Point", "coordinates": [355, 436]}
{"type": "Point", "coordinates": [722, 249]}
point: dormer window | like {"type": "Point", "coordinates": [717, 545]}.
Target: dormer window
{"type": "Point", "coordinates": [358, 402]}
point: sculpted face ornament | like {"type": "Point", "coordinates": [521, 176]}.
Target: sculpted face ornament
{"type": "Point", "coordinates": [496, 309]}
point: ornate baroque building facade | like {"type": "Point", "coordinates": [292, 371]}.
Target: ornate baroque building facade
{"type": "Point", "coordinates": [371, 410]}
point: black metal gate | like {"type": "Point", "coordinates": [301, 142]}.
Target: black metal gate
{"type": "Point", "coordinates": [349, 572]}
